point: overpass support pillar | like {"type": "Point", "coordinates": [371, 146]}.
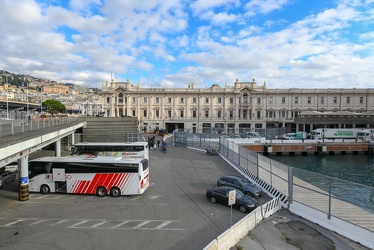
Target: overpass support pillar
{"type": "Point", "coordinates": [72, 138]}
{"type": "Point", "coordinates": [24, 178]}
{"type": "Point", "coordinates": [58, 148]}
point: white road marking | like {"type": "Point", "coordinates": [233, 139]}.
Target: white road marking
{"type": "Point", "coordinates": [36, 222]}
{"type": "Point", "coordinates": [120, 224]}
{"type": "Point", "coordinates": [72, 223]}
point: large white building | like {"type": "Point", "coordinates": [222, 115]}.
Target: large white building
{"type": "Point", "coordinates": [231, 109]}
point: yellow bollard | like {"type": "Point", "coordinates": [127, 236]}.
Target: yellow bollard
{"type": "Point", "coordinates": [24, 192]}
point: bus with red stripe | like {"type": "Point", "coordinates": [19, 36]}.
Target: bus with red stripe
{"type": "Point", "coordinates": [100, 175]}
{"type": "Point", "coordinates": [124, 149]}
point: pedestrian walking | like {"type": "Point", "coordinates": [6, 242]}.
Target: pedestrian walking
{"type": "Point", "coordinates": [158, 143]}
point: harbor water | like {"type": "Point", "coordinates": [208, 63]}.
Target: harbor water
{"type": "Point", "coordinates": [355, 170]}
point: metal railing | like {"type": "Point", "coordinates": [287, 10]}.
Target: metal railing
{"type": "Point", "coordinates": [299, 185]}
{"type": "Point", "coordinates": [12, 127]}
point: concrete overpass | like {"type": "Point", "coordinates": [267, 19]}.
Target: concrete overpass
{"type": "Point", "coordinates": [18, 147]}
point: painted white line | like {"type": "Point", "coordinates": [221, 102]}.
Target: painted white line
{"type": "Point", "coordinates": [41, 202]}
{"type": "Point", "coordinates": [14, 222]}
{"type": "Point", "coordinates": [99, 224]}
{"type": "Point", "coordinates": [78, 223]}
{"type": "Point", "coordinates": [141, 224]}
{"type": "Point", "coordinates": [152, 197]}
{"type": "Point", "coordinates": [164, 224]}
{"type": "Point", "coordinates": [36, 222]}
{"type": "Point", "coordinates": [59, 222]}
{"type": "Point", "coordinates": [120, 224]}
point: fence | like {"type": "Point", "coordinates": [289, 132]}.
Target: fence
{"type": "Point", "coordinates": [341, 206]}
{"type": "Point", "coordinates": [12, 127]}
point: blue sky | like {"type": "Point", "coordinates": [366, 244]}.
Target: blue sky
{"type": "Point", "coordinates": [171, 43]}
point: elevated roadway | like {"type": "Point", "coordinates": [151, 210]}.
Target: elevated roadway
{"type": "Point", "coordinates": [15, 147]}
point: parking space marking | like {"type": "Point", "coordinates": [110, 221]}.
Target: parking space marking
{"type": "Point", "coordinates": [152, 197]}
{"type": "Point", "coordinates": [120, 224]}
{"type": "Point", "coordinates": [36, 222]}
{"type": "Point", "coordinates": [102, 224]}
{"type": "Point", "coordinates": [78, 223]}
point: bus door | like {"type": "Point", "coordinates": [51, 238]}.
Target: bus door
{"type": "Point", "coordinates": [59, 179]}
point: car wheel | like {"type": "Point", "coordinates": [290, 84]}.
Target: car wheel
{"type": "Point", "coordinates": [101, 191]}
{"type": "Point", "coordinates": [243, 209]}
{"type": "Point", "coordinates": [213, 199]}
{"type": "Point", "coordinates": [44, 189]}
{"type": "Point", "coordinates": [115, 192]}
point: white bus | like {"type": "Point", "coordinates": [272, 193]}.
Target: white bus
{"type": "Point", "coordinates": [124, 149]}
{"type": "Point", "coordinates": [101, 175]}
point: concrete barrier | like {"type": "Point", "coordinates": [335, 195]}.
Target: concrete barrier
{"type": "Point", "coordinates": [233, 235]}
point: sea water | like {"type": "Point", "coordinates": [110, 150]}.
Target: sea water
{"type": "Point", "coordinates": [353, 168]}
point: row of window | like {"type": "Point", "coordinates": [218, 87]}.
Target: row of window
{"type": "Point", "coordinates": [245, 99]}
{"type": "Point", "coordinates": [245, 114]}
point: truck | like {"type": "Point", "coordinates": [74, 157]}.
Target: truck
{"type": "Point", "coordinates": [295, 136]}
{"type": "Point", "coordinates": [334, 133]}
{"type": "Point", "coordinates": [365, 135]}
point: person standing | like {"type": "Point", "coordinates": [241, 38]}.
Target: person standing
{"type": "Point", "coordinates": [164, 146]}
{"type": "Point", "coordinates": [158, 143]}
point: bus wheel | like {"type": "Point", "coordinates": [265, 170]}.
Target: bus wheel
{"type": "Point", "coordinates": [101, 191]}
{"type": "Point", "coordinates": [115, 192]}
{"type": "Point", "coordinates": [44, 189]}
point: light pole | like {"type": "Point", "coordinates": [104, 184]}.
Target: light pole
{"type": "Point", "coordinates": [7, 97]}
{"type": "Point", "coordinates": [27, 96]}
{"type": "Point", "coordinates": [41, 100]}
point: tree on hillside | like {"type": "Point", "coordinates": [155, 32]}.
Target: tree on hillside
{"type": "Point", "coordinates": [54, 106]}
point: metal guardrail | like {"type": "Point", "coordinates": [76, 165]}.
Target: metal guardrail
{"type": "Point", "coordinates": [12, 127]}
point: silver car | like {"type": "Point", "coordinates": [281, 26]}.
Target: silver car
{"type": "Point", "coordinates": [6, 177]}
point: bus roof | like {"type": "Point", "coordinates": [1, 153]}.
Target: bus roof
{"type": "Point", "coordinates": [111, 143]}
{"type": "Point", "coordinates": [85, 158]}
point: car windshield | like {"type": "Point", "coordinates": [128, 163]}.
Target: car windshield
{"type": "Point", "coordinates": [239, 194]}
{"type": "Point", "coordinates": [245, 182]}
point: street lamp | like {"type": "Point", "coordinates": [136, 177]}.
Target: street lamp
{"type": "Point", "coordinates": [7, 98]}
{"type": "Point", "coordinates": [27, 96]}
{"type": "Point", "coordinates": [41, 101]}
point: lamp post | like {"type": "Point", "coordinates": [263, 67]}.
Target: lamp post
{"type": "Point", "coordinates": [41, 100]}
{"type": "Point", "coordinates": [7, 98]}
{"type": "Point", "coordinates": [27, 96]}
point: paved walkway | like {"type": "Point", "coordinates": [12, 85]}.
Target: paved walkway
{"type": "Point", "coordinates": [287, 231]}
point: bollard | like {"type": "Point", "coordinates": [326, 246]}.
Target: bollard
{"type": "Point", "coordinates": [24, 192]}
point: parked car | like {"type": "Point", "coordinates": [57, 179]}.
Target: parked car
{"type": "Point", "coordinates": [240, 183]}
{"type": "Point", "coordinates": [6, 177]}
{"type": "Point", "coordinates": [221, 195]}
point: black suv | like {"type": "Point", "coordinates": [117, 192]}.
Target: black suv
{"type": "Point", "coordinates": [240, 183]}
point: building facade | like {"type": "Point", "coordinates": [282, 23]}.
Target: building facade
{"type": "Point", "coordinates": [239, 108]}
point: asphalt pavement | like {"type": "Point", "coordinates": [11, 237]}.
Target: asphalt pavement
{"type": "Point", "coordinates": [282, 230]}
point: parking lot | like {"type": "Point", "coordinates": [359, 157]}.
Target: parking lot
{"type": "Point", "coordinates": [172, 214]}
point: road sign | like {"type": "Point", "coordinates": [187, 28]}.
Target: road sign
{"type": "Point", "coordinates": [232, 195]}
